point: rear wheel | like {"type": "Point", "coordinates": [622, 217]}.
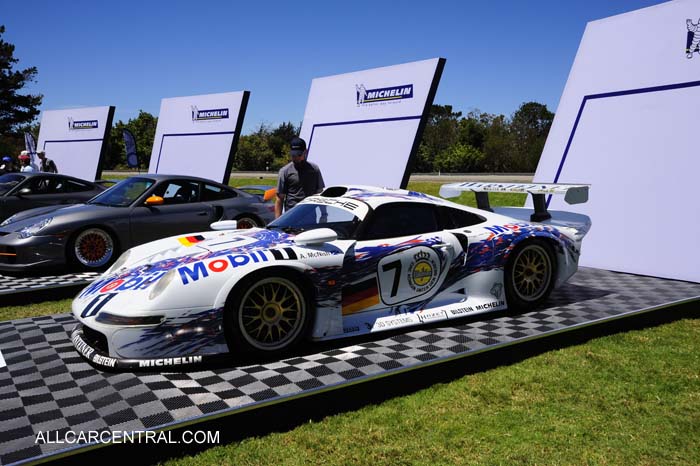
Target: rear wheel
{"type": "Point", "coordinates": [267, 315]}
{"type": "Point", "coordinates": [530, 274]}
{"type": "Point", "coordinates": [93, 248]}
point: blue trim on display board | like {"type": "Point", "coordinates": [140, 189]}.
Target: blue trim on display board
{"type": "Point", "coordinates": [643, 90]}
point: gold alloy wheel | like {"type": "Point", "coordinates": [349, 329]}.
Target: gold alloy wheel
{"type": "Point", "coordinates": [532, 272]}
{"type": "Point", "coordinates": [272, 314]}
{"type": "Point", "coordinates": [246, 222]}
{"type": "Point", "coordinates": [93, 247]}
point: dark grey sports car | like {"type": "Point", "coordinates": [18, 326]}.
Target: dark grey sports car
{"type": "Point", "coordinates": [23, 191]}
{"type": "Point", "coordinates": [134, 211]}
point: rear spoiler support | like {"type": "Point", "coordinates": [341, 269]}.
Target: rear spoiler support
{"type": "Point", "coordinates": [573, 194]}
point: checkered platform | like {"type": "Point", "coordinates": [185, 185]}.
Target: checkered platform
{"type": "Point", "coordinates": [11, 285]}
{"type": "Point", "coordinates": [47, 387]}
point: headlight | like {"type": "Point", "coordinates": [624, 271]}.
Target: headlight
{"type": "Point", "coordinates": [32, 230]}
{"type": "Point", "coordinates": [162, 284]}
{"type": "Point", "coordinates": [8, 220]}
{"type": "Point", "coordinates": [119, 263]}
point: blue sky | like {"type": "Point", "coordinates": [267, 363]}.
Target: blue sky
{"type": "Point", "coordinates": [132, 54]}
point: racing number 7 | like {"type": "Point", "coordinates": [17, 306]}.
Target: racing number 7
{"type": "Point", "coordinates": [396, 265]}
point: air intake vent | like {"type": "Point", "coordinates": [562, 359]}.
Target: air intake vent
{"type": "Point", "coordinates": [334, 191]}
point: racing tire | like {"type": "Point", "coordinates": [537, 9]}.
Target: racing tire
{"type": "Point", "coordinates": [530, 274]}
{"type": "Point", "coordinates": [267, 314]}
{"type": "Point", "coordinates": [246, 221]}
{"type": "Point", "coordinates": [93, 248]}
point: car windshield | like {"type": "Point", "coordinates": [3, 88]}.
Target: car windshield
{"type": "Point", "coordinates": [123, 193]}
{"type": "Point", "coordinates": [9, 181]}
{"type": "Point", "coordinates": [304, 217]}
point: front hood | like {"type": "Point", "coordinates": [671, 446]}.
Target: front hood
{"type": "Point", "coordinates": [148, 263]}
{"type": "Point", "coordinates": [59, 213]}
{"type": "Point", "coordinates": [168, 253]}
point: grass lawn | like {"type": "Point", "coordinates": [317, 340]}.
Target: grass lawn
{"type": "Point", "coordinates": [628, 398]}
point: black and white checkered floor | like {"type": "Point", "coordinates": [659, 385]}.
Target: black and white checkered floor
{"type": "Point", "coordinates": [11, 285]}
{"type": "Point", "coordinates": [46, 387]}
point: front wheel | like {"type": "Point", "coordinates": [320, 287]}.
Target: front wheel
{"type": "Point", "coordinates": [529, 275]}
{"type": "Point", "coordinates": [247, 221]}
{"type": "Point", "coordinates": [92, 249]}
{"type": "Point", "coordinates": [267, 316]}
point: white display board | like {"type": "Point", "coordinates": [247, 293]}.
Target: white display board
{"type": "Point", "coordinates": [628, 125]}
{"type": "Point", "coordinates": [365, 127]}
{"type": "Point", "coordinates": [197, 135]}
{"type": "Point", "coordinates": [76, 139]}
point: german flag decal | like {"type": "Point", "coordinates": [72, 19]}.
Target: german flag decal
{"type": "Point", "coordinates": [190, 240]}
{"type": "Point", "coordinates": [360, 296]}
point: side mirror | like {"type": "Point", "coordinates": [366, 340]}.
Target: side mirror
{"type": "Point", "coordinates": [225, 225]}
{"type": "Point", "coordinates": [24, 191]}
{"type": "Point", "coordinates": [317, 236]}
{"type": "Point", "coordinates": [154, 200]}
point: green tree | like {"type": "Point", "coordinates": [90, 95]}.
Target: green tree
{"type": "Point", "coordinates": [254, 152]}
{"type": "Point", "coordinates": [459, 158]}
{"type": "Point", "coordinates": [497, 146]}
{"type": "Point", "coordinates": [17, 110]}
{"type": "Point", "coordinates": [143, 127]}
{"type": "Point", "coordinates": [440, 133]}
{"type": "Point", "coordinates": [529, 126]}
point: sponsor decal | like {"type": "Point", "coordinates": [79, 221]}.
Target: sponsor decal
{"type": "Point", "coordinates": [352, 329]}
{"type": "Point", "coordinates": [82, 124]}
{"type": "Point", "coordinates": [209, 114]}
{"type": "Point", "coordinates": [193, 272]}
{"type": "Point", "coordinates": [423, 272]}
{"type": "Point", "coordinates": [496, 290]}
{"type": "Point", "coordinates": [428, 316]}
{"type": "Point", "coordinates": [190, 240]}
{"type": "Point", "coordinates": [393, 322]}
{"type": "Point", "coordinates": [491, 305]}
{"type": "Point", "coordinates": [692, 43]}
{"type": "Point", "coordinates": [366, 96]}
{"type": "Point", "coordinates": [170, 361]}
{"type": "Point", "coordinates": [112, 284]}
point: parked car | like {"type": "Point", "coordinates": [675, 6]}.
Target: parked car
{"type": "Point", "coordinates": [132, 212]}
{"type": "Point", "coordinates": [351, 261]}
{"type": "Point", "coordinates": [24, 191]}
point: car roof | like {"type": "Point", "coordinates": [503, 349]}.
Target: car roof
{"type": "Point", "coordinates": [50, 175]}
{"type": "Point", "coordinates": [161, 177]}
{"type": "Point", "coordinates": [374, 196]}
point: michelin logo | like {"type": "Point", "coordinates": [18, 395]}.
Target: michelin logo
{"type": "Point", "coordinates": [208, 115]}
{"type": "Point", "coordinates": [82, 124]}
{"type": "Point", "coordinates": [692, 43]}
{"type": "Point", "coordinates": [383, 94]}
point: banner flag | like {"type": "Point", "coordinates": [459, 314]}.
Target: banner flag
{"type": "Point", "coordinates": [30, 146]}
{"type": "Point", "coordinates": [132, 158]}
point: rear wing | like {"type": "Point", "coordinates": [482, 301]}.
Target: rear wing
{"type": "Point", "coordinates": [573, 194]}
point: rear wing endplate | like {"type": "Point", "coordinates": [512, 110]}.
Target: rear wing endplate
{"type": "Point", "coordinates": [573, 194]}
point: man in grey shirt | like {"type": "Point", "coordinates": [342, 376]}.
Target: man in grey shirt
{"type": "Point", "coordinates": [298, 179]}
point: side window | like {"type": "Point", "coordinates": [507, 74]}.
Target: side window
{"type": "Point", "coordinates": [451, 218]}
{"type": "Point", "coordinates": [75, 187]}
{"type": "Point", "coordinates": [178, 192]}
{"type": "Point", "coordinates": [401, 219]}
{"type": "Point", "coordinates": [216, 193]}
{"type": "Point", "coordinates": [45, 185]}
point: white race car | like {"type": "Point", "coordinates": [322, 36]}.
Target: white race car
{"type": "Point", "coordinates": [350, 261]}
